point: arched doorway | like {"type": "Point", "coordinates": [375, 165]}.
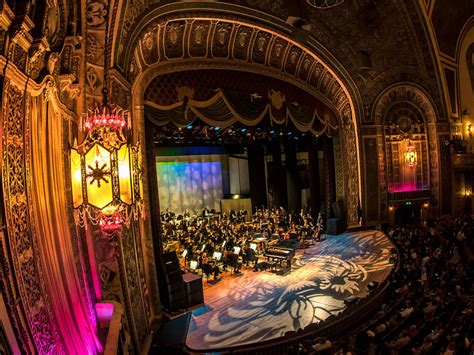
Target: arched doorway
{"type": "Point", "coordinates": [408, 214]}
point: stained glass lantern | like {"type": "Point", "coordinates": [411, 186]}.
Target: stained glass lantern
{"type": "Point", "coordinates": [410, 156]}
{"type": "Point", "coordinates": [106, 171]}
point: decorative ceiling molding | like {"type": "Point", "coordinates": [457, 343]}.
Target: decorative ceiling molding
{"type": "Point", "coordinates": [218, 40]}
{"type": "Point", "coordinates": [324, 4]}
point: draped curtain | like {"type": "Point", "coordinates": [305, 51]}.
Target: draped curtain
{"type": "Point", "coordinates": [227, 108]}
{"type": "Point", "coordinates": [189, 182]}
{"type": "Point", "coordinates": [71, 301]}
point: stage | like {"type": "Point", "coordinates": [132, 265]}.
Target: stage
{"type": "Point", "coordinates": [258, 306]}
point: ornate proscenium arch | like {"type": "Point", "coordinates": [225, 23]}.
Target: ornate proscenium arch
{"type": "Point", "coordinates": [183, 41]}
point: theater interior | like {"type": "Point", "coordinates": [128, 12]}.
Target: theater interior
{"type": "Point", "coordinates": [237, 176]}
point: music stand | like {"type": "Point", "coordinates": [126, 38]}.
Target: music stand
{"type": "Point", "coordinates": [217, 256]}
{"type": "Point", "coordinates": [193, 265]}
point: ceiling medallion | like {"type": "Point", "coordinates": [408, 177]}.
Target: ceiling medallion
{"type": "Point", "coordinates": [324, 4]}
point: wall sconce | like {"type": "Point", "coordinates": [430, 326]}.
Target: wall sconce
{"type": "Point", "coordinates": [469, 130]}
{"type": "Point", "coordinates": [426, 205]}
{"type": "Point", "coordinates": [468, 190]}
{"type": "Point", "coordinates": [390, 208]}
{"type": "Point", "coordinates": [410, 155]}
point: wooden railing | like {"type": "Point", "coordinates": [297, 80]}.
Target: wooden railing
{"type": "Point", "coordinates": [463, 160]}
{"type": "Point", "coordinates": [115, 341]}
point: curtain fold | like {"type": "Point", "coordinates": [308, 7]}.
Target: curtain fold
{"type": "Point", "coordinates": [225, 108]}
{"type": "Point", "coordinates": [71, 301]}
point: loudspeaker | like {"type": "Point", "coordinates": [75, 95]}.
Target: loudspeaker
{"type": "Point", "coordinates": [335, 226]}
{"type": "Point", "coordinates": [338, 209]}
{"type": "Point", "coordinates": [170, 282]}
{"type": "Point", "coordinates": [193, 289]}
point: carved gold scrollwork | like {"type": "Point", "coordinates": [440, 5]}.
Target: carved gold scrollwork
{"type": "Point", "coordinates": [96, 12]}
{"type": "Point", "coordinates": [24, 253]}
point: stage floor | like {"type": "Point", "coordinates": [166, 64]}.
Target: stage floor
{"type": "Point", "coordinates": [260, 306]}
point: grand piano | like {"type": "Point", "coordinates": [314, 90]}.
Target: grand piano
{"type": "Point", "coordinates": [278, 254]}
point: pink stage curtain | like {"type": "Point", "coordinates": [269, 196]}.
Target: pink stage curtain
{"type": "Point", "coordinates": [71, 304]}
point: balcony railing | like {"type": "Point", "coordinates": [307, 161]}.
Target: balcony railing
{"type": "Point", "coordinates": [464, 161]}
{"type": "Point", "coordinates": [409, 195]}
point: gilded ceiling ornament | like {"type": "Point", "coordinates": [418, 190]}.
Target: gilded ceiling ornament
{"type": "Point", "coordinates": [222, 35]}
{"type": "Point", "coordinates": [148, 40]}
{"type": "Point", "coordinates": [174, 33]}
{"type": "Point", "coordinates": [96, 12]}
{"type": "Point", "coordinates": [199, 34]}
{"type": "Point", "coordinates": [278, 48]}
{"type": "Point", "coordinates": [95, 49]}
{"type": "Point", "coordinates": [293, 56]}
{"type": "Point", "coordinates": [242, 38]}
{"type": "Point", "coordinates": [324, 4]}
{"type": "Point", "coordinates": [277, 99]}
{"type": "Point", "coordinates": [261, 43]}
{"type": "Point", "coordinates": [93, 80]}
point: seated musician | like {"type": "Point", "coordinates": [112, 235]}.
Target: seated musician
{"type": "Point", "coordinates": [209, 266]}
{"type": "Point", "coordinates": [319, 227]}
{"type": "Point", "coordinates": [234, 262]}
{"type": "Point", "coordinates": [250, 256]}
{"type": "Point", "coordinates": [187, 214]}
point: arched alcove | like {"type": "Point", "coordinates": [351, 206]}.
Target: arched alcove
{"type": "Point", "coordinates": [405, 116]}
